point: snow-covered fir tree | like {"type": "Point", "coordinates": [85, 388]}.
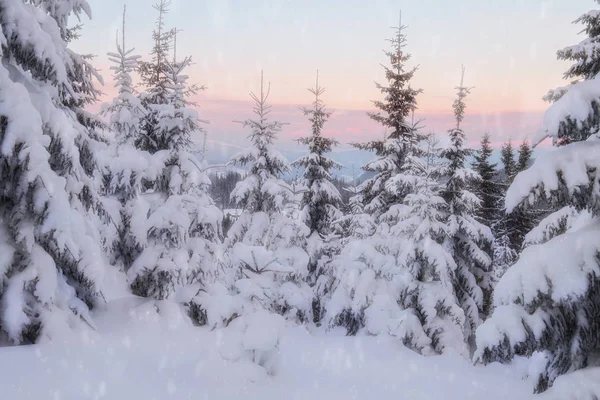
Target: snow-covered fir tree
{"type": "Point", "coordinates": [395, 110]}
{"type": "Point", "coordinates": [265, 248]}
{"type": "Point", "coordinates": [525, 153]}
{"type": "Point", "coordinates": [547, 304]}
{"type": "Point", "coordinates": [512, 227]}
{"type": "Point", "coordinates": [51, 232]}
{"type": "Point", "coordinates": [125, 167]}
{"type": "Point", "coordinates": [469, 241]}
{"type": "Point", "coordinates": [585, 56]}
{"type": "Point", "coordinates": [509, 164]}
{"type": "Point", "coordinates": [154, 75]}
{"type": "Point", "coordinates": [428, 260]}
{"type": "Point", "coordinates": [488, 189]}
{"type": "Point", "coordinates": [399, 281]}
{"type": "Point", "coordinates": [321, 198]}
{"type": "Point", "coordinates": [177, 224]}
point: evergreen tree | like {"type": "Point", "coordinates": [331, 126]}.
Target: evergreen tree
{"type": "Point", "coordinates": [399, 281]}
{"type": "Point", "coordinates": [154, 75]}
{"type": "Point", "coordinates": [586, 54]}
{"type": "Point", "coordinates": [525, 153]}
{"type": "Point", "coordinates": [321, 200]}
{"type": "Point", "coordinates": [586, 65]}
{"type": "Point", "coordinates": [52, 263]}
{"type": "Point", "coordinates": [177, 225]}
{"type": "Point", "coordinates": [400, 101]}
{"type": "Point", "coordinates": [512, 227]}
{"type": "Point", "coordinates": [264, 247]}
{"type": "Point", "coordinates": [547, 305]}
{"type": "Point", "coordinates": [125, 167]}
{"type": "Point", "coordinates": [507, 155]}
{"type": "Point", "coordinates": [261, 190]}
{"type": "Point", "coordinates": [468, 240]}
{"type": "Point", "coordinates": [488, 189]}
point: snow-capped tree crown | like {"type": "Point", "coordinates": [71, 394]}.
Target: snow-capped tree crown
{"type": "Point", "coordinates": [585, 54]}
{"type": "Point", "coordinates": [126, 110]}
{"type": "Point", "coordinates": [459, 199]}
{"type": "Point", "coordinates": [402, 135]}
{"type": "Point", "coordinates": [321, 198]}
{"type": "Point", "coordinates": [261, 189]}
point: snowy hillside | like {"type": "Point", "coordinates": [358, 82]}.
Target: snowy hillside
{"type": "Point", "coordinates": [137, 354]}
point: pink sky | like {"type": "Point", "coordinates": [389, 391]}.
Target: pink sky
{"type": "Point", "coordinates": [508, 47]}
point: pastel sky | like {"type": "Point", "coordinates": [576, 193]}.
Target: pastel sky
{"type": "Point", "coordinates": [508, 48]}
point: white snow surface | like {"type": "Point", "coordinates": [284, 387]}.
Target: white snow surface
{"type": "Point", "coordinates": [137, 353]}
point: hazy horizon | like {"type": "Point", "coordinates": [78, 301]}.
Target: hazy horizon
{"type": "Point", "coordinates": [508, 48]}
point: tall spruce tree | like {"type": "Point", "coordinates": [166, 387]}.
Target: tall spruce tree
{"type": "Point", "coordinates": [125, 168]}
{"type": "Point", "coordinates": [321, 198]}
{"type": "Point", "coordinates": [507, 156]}
{"type": "Point", "coordinates": [516, 224]}
{"type": "Point", "coordinates": [52, 264]}
{"type": "Point", "coordinates": [508, 239]}
{"type": "Point", "coordinates": [154, 75]}
{"type": "Point", "coordinates": [468, 240]}
{"type": "Point", "coordinates": [548, 303]}
{"type": "Point", "coordinates": [395, 110]}
{"type": "Point", "coordinates": [400, 280]}
{"type": "Point", "coordinates": [265, 248]}
{"type": "Point", "coordinates": [488, 189]}
{"type": "Point", "coordinates": [177, 224]}
{"type": "Point", "coordinates": [525, 153]}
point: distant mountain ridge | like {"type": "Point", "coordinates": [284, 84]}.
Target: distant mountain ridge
{"type": "Point", "coordinates": [352, 160]}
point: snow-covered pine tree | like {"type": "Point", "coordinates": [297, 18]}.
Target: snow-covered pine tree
{"type": "Point", "coordinates": [488, 190]}
{"type": "Point", "coordinates": [512, 227]}
{"type": "Point", "coordinates": [52, 262]}
{"type": "Point", "coordinates": [427, 260]}
{"type": "Point", "coordinates": [126, 168]}
{"type": "Point", "coordinates": [548, 303]}
{"type": "Point", "coordinates": [177, 225]}
{"type": "Point", "coordinates": [154, 75]}
{"type": "Point", "coordinates": [321, 198]}
{"type": "Point", "coordinates": [261, 190]}
{"type": "Point", "coordinates": [399, 103]}
{"type": "Point", "coordinates": [523, 220]}
{"type": "Point", "coordinates": [399, 281]}
{"type": "Point", "coordinates": [586, 58]}
{"type": "Point", "coordinates": [507, 156]}
{"type": "Point", "coordinates": [468, 241]}
{"type": "Point", "coordinates": [525, 153]}
{"type": "Point", "coordinates": [265, 247]}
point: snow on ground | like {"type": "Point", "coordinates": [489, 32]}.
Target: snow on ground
{"type": "Point", "coordinates": [137, 354]}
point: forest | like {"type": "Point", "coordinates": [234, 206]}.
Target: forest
{"type": "Point", "coordinates": [433, 245]}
